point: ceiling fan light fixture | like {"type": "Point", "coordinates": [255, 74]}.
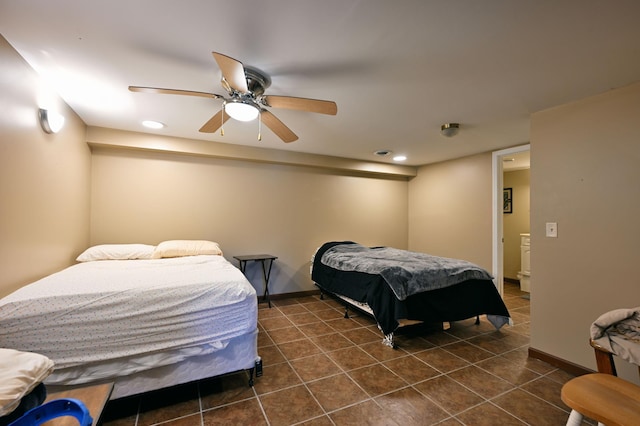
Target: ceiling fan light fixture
{"type": "Point", "coordinates": [449, 130]}
{"type": "Point", "coordinates": [241, 111]}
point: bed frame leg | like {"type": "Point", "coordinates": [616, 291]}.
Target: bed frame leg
{"type": "Point", "coordinates": [251, 370]}
{"type": "Point", "coordinates": [477, 319]}
{"type": "Point", "coordinates": [388, 341]}
{"type": "Point", "coordinates": [257, 368]}
{"type": "Point", "coordinates": [346, 311]}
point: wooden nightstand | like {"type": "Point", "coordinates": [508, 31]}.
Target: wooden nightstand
{"type": "Point", "coordinates": [267, 262]}
{"type": "Point", "coordinates": [94, 398]}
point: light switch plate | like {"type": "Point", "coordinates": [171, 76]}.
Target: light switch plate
{"type": "Point", "coordinates": [552, 229]}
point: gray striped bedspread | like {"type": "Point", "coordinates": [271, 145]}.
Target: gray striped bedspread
{"type": "Point", "coordinates": [406, 272]}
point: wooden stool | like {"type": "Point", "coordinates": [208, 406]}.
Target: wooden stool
{"type": "Point", "coordinates": [605, 398]}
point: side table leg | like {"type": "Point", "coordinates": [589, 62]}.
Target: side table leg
{"type": "Point", "coordinates": [266, 273]}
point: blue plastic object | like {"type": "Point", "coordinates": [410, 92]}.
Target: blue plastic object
{"type": "Point", "coordinates": [53, 409]}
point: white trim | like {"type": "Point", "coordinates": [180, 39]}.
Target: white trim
{"type": "Point", "coordinates": [496, 200]}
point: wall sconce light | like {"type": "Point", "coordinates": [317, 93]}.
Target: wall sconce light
{"type": "Point", "coordinates": [50, 121]}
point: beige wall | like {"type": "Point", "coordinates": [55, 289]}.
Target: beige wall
{"type": "Point", "coordinates": [450, 209]}
{"type": "Point", "coordinates": [44, 180]}
{"type": "Point", "coordinates": [247, 207]}
{"type": "Point", "coordinates": [517, 222]}
{"type": "Point", "coordinates": [586, 176]}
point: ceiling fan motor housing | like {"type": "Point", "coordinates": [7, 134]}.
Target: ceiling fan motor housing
{"type": "Point", "coordinates": [257, 81]}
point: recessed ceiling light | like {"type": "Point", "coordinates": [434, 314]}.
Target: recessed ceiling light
{"type": "Point", "coordinates": [400, 158]}
{"type": "Point", "coordinates": [152, 124]}
{"type": "Point", "coordinates": [382, 152]}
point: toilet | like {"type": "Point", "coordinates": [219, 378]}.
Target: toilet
{"type": "Point", "coordinates": [525, 263]}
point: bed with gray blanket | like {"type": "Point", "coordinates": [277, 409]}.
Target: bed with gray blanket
{"type": "Point", "coordinates": [395, 285]}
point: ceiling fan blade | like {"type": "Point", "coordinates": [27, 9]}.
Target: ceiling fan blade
{"type": "Point", "coordinates": [215, 122]}
{"type": "Point", "coordinates": [277, 127]}
{"type": "Point", "coordinates": [173, 92]}
{"type": "Point", "coordinates": [232, 72]}
{"type": "Point", "coordinates": [301, 104]}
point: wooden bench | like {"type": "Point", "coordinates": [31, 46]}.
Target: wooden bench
{"type": "Point", "coordinates": [602, 396]}
{"type": "Point", "coordinates": [607, 399]}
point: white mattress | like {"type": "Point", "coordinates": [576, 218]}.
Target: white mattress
{"type": "Point", "coordinates": [154, 311]}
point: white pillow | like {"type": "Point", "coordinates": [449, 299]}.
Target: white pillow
{"type": "Point", "coordinates": [20, 373]}
{"type": "Point", "coordinates": [178, 248]}
{"type": "Point", "coordinates": [116, 252]}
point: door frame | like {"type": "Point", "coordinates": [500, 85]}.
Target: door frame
{"type": "Point", "coordinates": [497, 235]}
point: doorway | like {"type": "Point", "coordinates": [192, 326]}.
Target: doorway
{"type": "Point", "coordinates": [497, 172]}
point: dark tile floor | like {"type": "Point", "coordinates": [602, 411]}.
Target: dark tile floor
{"type": "Point", "coordinates": [323, 369]}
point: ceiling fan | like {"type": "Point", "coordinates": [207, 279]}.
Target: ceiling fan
{"type": "Point", "coordinates": [246, 99]}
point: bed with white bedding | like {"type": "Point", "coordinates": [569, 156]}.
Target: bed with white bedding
{"type": "Point", "coordinates": [143, 323]}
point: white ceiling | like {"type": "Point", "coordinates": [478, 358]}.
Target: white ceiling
{"type": "Point", "coordinates": [397, 70]}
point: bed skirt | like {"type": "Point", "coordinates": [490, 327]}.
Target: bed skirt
{"type": "Point", "coordinates": [240, 354]}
